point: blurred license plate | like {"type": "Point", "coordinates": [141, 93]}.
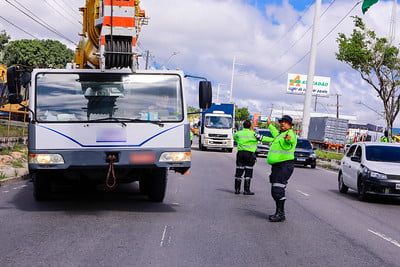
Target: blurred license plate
{"type": "Point", "coordinates": [301, 159]}
{"type": "Point", "coordinates": [397, 186]}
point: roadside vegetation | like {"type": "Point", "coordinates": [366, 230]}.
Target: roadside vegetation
{"type": "Point", "coordinates": [329, 155]}
{"type": "Point", "coordinates": [13, 131]}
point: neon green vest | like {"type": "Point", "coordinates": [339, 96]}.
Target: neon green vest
{"type": "Point", "coordinates": [246, 140]}
{"type": "Point", "coordinates": [281, 149]}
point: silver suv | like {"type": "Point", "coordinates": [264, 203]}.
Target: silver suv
{"type": "Point", "coordinates": [371, 169]}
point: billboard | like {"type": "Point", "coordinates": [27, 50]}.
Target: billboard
{"type": "Point", "coordinates": [297, 84]}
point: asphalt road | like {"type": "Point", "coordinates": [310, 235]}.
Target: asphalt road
{"type": "Point", "coordinates": [201, 223]}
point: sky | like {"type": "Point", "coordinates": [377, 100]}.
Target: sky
{"type": "Point", "coordinates": [267, 39]}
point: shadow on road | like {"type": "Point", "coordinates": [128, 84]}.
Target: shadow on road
{"type": "Point", "coordinates": [126, 197]}
{"type": "Point", "coordinates": [385, 200]}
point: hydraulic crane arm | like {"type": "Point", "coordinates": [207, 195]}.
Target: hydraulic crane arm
{"type": "Point", "coordinates": [110, 32]}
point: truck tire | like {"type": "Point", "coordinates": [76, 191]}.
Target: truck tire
{"type": "Point", "coordinates": [41, 186]}
{"type": "Point", "coordinates": [201, 147]}
{"type": "Point", "coordinates": [158, 184]}
{"type": "Point", "coordinates": [144, 186]}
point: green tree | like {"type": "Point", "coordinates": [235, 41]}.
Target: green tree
{"type": "Point", "coordinates": [38, 53]}
{"type": "Point", "coordinates": [195, 111]}
{"type": "Point", "coordinates": [241, 114]}
{"type": "Point", "coordinates": [378, 63]}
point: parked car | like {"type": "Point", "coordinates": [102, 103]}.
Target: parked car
{"type": "Point", "coordinates": [263, 148]}
{"type": "Point", "coordinates": [304, 153]}
{"type": "Point", "coordinates": [371, 168]}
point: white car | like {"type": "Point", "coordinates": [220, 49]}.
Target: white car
{"type": "Point", "coordinates": [371, 168]}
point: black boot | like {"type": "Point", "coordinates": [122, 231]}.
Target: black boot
{"type": "Point", "coordinates": [247, 187]}
{"type": "Point", "coordinates": [276, 211]}
{"type": "Point", "coordinates": [237, 186]}
{"type": "Point", "coordinates": [280, 215]}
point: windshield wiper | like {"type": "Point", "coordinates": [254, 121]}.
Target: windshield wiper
{"type": "Point", "coordinates": [123, 120]}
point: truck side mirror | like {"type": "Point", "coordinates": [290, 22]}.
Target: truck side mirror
{"type": "Point", "coordinates": [205, 94]}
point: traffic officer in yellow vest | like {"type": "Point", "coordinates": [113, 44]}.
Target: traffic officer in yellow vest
{"type": "Point", "coordinates": [245, 157]}
{"type": "Point", "coordinates": [281, 158]}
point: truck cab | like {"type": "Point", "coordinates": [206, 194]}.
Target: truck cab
{"type": "Point", "coordinates": [217, 127]}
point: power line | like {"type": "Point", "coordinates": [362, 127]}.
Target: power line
{"type": "Point", "coordinates": [75, 23]}
{"type": "Point", "coordinates": [19, 28]}
{"type": "Point", "coordinates": [292, 27]}
{"type": "Point", "coordinates": [286, 71]}
{"type": "Point", "coordinates": [42, 23]}
{"type": "Point", "coordinates": [303, 35]}
{"type": "Point", "coordinates": [73, 10]}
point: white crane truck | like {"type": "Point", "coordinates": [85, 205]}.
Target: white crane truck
{"type": "Point", "coordinates": [107, 125]}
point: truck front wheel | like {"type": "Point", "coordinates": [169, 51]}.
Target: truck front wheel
{"type": "Point", "coordinates": [158, 184]}
{"type": "Point", "coordinates": [41, 186]}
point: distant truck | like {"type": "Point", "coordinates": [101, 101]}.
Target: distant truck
{"type": "Point", "coordinates": [216, 127]}
{"type": "Point", "coordinates": [328, 132]}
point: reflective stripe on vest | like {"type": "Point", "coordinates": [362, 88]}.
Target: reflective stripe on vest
{"type": "Point", "coordinates": [281, 152]}
{"type": "Point", "coordinates": [246, 136]}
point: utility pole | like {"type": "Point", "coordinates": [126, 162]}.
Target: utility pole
{"type": "Point", "coordinates": [315, 104]}
{"type": "Point", "coordinates": [147, 59]}
{"type": "Point", "coordinates": [311, 70]}
{"type": "Point", "coordinates": [233, 74]}
{"type": "Point", "coordinates": [337, 106]}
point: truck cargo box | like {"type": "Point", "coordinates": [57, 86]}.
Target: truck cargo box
{"type": "Point", "coordinates": [328, 130]}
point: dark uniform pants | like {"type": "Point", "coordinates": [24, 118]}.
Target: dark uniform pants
{"type": "Point", "coordinates": [245, 161]}
{"type": "Point", "coordinates": [280, 174]}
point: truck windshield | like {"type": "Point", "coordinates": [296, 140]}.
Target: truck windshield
{"type": "Point", "coordinates": [93, 96]}
{"type": "Point", "coordinates": [218, 122]}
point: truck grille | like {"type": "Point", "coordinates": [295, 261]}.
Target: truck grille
{"type": "Point", "coordinates": [218, 135]}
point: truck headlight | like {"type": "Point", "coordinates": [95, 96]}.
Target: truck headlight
{"type": "Point", "coordinates": [46, 159]}
{"type": "Point", "coordinates": [175, 156]}
{"type": "Point", "coordinates": [313, 155]}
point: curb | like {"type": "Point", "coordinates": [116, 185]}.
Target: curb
{"type": "Point", "coordinates": [13, 180]}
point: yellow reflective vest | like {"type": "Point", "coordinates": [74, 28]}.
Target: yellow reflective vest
{"type": "Point", "coordinates": [246, 140]}
{"type": "Point", "coordinates": [280, 148]}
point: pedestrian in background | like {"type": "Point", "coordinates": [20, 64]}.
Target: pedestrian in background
{"type": "Point", "coordinates": [245, 157]}
{"type": "Point", "coordinates": [281, 158]}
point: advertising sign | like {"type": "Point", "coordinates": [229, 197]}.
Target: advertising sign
{"type": "Point", "coordinates": [297, 84]}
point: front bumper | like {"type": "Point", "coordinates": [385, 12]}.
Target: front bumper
{"type": "Point", "coordinates": [100, 159]}
{"type": "Point", "coordinates": [383, 187]}
{"type": "Point", "coordinates": [218, 143]}
{"type": "Point", "coordinates": [305, 161]}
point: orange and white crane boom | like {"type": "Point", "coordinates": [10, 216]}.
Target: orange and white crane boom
{"type": "Point", "coordinates": [110, 32]}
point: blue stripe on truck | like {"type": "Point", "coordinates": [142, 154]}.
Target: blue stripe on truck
{"type": "Point", "coordinates": [138, 145]}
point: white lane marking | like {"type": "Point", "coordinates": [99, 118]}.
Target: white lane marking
{"type": "Point", "coordinates": [6, 191]}
{"type": "Point", "coordinates": [389, 239]}
{"type": "Point", "coordinates": [305, 194]}
{"type": "Point", "coordinates": [166, 236]}
{"type": "Point", "coordinates": [163, 236]}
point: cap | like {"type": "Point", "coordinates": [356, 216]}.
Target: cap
{"type": "Point", "coordinates": [287, 118]}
